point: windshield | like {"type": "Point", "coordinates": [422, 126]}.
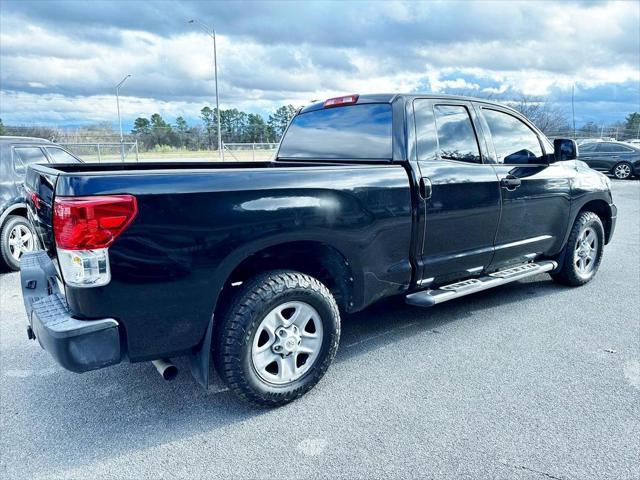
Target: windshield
{"type": "Point", "coordinates": [350, 132]}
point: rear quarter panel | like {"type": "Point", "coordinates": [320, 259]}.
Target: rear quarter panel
{"type": "Point", "coordinates": [193, 228]}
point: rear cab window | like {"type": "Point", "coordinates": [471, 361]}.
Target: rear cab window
{"type": "Point", "coordinates": [353, 132]}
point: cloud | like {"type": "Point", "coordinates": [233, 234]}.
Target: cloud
{"type": "Point", "coordinates": [68, 56]}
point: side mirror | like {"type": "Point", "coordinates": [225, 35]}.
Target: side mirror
{"type": "Point", "coordinates": [564, 149]}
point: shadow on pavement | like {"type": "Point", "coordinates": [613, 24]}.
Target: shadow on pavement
{"type": "Point", "coordinates": [129, 407]}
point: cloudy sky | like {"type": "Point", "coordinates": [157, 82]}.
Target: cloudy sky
{"type": "Point", "coordinates": [60, 60]}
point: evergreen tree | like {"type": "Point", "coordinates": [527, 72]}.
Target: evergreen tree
{"type": "Point", "coordinates": [210, 124]}
{"type": "Point", "coordinates": [632, 125]}
{"type": "Point", "coordinates": [141, 126]}
{"type": "Point", "coordinates": [279, 119]}
{"type": "Point", "coordinates": [181, 125]}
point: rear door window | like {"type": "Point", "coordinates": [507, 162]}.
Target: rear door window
{"type": "Point", "coordinates": [25, 156]}
{"type": "Point", "coordinates": [612, 148]}
{"type": "Point", "coordinates": [515, 143]}
{"type": "Point", "coordinates": [456, 136]}
{"type": "Point", "coordinates": [349, 132]}
{"type": "Point", "coordinates": [426, 141]}
{"type": "Point", "coordinates": [58, 155]}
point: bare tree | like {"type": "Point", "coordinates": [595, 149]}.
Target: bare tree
{"type": "Point", "coordinates": [547, 116]}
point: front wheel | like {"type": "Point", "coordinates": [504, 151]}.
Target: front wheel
{"type": "Point", "coordinates": [583, 251]}
{"type": "Point", "coordinates": [622, 171]}
{"type": "Point", "coordinates": [277, 338]}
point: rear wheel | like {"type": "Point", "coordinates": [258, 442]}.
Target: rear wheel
{"type": "Point", "coordinates": [277, 338]}
{"type": "Point", "coordinates": [16, 239]}
{"type": "Point", "coordinates": [622, 171]}
{"type": "Point", "coordinates": [583, 251]}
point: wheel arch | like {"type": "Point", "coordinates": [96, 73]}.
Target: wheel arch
{"type": "Point", "coordinates": [318, 259]}
{"type": "Point", "coordinates": [315, 258]}
{"type": "Point", "coordinates": [15, 209]}
{"type": "Point", "coordinates": [603, 210]}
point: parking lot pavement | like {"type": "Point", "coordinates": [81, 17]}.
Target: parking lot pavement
{"type": "Point", "coordinates": [531, 380]}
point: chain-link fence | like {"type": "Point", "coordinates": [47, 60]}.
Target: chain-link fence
{"type": "Point", "coordinates": [238, 152]}
{"type": "Point", "coordinates": [104, 151]}
{"type": "Point", "coordinates": [602, 133]}
{"type": "Point", "coordinates": [129, 152]}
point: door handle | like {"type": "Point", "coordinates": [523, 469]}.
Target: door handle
{"type": "Point", "coordinates": [425, 188]}
{"type": "Point", "coordinates": [614, 156]}
{"type": "Point", "coordinates": [510, 182]}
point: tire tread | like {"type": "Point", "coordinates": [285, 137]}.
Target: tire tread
{"type": "Point", "coordinates": [241, 317]}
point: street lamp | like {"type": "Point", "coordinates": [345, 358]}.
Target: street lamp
{"type": "Point", "coordinates": [120, 119]}
{"type": "Point", "coordinates": [212, 33]}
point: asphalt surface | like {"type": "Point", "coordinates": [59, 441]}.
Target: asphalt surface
{"type": "Point", "coordinates": [531, 380]}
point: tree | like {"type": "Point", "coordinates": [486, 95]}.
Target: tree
{"type": "Point", "coordinates": [279, 119]}
{"type": "Point", "coordinates": [141, 126]}
{"type": "Point", "coordinates": [547, 117]}
{"type": "Point", "coordinates": [2, 129]}
{"type": "Point", "coordinates": [256, 131]}
{"type": "Point", "coordinates": [632, 125]}
{"type": "Point", "coordinates": [210, 125]}
{"type": "Point", "coordinates": [158, 124]}
{"type": "Point", "coordinates": [181, 125]}
{"type": "Point", "coordinates": [590, 129]}
{"type": "Point", "coordinates": [233, 123]}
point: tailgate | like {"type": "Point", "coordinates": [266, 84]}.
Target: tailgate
{"type": "Point", "coordinates": [40, 185]}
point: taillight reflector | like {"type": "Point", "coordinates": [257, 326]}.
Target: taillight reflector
{"type": "Point", "coordinates": [338, 101]}
{"type": "Point", "coordinates": [85, 223]}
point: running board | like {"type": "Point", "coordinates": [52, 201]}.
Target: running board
{"type": "Point", "coordinates": [428, 298]}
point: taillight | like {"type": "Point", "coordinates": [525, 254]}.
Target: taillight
{"type": "Point", "coordinates": [338, 101]}
{"type": "Point", "coordinates": [84, 223]}
{"type": "Point", "coordinates": [84, 227]}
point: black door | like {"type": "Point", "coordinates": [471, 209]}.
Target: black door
{"type": "Point", "coordinates": [460, 196]}
{"type": "Point", "coordinates": [536, 196]}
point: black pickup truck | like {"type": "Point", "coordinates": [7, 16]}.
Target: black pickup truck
{"type": "Point", "coordinates": [249, 264]}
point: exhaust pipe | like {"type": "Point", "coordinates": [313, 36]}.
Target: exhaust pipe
{"type": "Point", "coordinates": [165, 368]}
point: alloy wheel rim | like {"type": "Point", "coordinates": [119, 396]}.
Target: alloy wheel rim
{"type": "Point", "coordinates": [586, 251]}
{"type": "Point", "coordinates": [287, 343]}
{"type": "Point", "coordinates": [20, 241]}
{"type": "Point", "coordinates": [622, 171]}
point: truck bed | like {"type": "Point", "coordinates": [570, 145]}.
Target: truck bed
{"type": "Point", "coordinates": [197, 223]}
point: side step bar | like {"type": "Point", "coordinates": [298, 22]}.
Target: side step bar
{"type": "Point", "coordinates": [428, 298]}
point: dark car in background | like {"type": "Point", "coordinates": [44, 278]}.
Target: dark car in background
{"type": "Point", "coordinates": [16, 154]}
{"type": "Point", "coordinates": [619, 159]}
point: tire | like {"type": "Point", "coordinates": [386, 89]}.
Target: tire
{"type": "Point", "coordinates": [269, 316]}
{"type": "Point", "coordinates": [583, 252]}
{"type": "Point", "coordinates": [622, 171]}
{"type": "Point", "coordinates": [14, 241]}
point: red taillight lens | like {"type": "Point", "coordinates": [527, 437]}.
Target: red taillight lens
{"type": "Point", "coordinates": [85, 223]}
{"type": "Point", "coordinates": [337, 101]}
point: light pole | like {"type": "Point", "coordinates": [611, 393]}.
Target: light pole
{"type": "Point", "coordinates": [212, 33]}
{"type": "Point", "coordinates": [120, 119]}
{"type": "Point", "coordinates": [573, 110]}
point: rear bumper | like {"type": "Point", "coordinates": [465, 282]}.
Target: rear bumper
{"type": "Point", "coordinates": [77, 345]}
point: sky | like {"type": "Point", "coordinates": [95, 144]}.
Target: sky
{"type": "Point", "coordinates": [60, 60]}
